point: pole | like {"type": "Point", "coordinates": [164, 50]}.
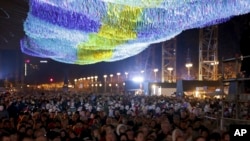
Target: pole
{"type": "Point", "coordinates": [222, 106]}
{"type": "Point", "coordinates": [237, 89]}
{"type": "Point", "coordinates": [105, 85]}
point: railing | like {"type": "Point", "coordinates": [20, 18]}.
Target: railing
{"type": "Point", "coordinates": [228, 121]}
{"type": "Point", "coordinates": [214, 122]}
{"type": "Point", "coordinates": [223, 123]}
{"type": "Point", "coordinates": [242, 97]}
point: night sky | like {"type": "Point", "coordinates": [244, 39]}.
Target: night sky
{"type": "Point", "coordinates": [11, 58]}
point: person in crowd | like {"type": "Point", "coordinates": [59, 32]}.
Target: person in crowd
{"type": "Point", "coordinates": [3, 112]}
{"type": "Point", "coordinates": [139, 136]}
{"type": "Point", "coordinates": [225, 136]}
{"type": "Point", "coordinates": [5, 137]}
{"type": "Point", "coordinates": [123, 137]}
{"type": "Point", "coordinates": [200, 138]}
{"type": "Point", "coordinates": [130, 134]}
{"type": "Point", "coordinates": [165, 131]}
{"type": "Point", "coordinates": [177, 135]}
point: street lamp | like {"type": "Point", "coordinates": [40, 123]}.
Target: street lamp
{"type": "Point", "coordinates": [96, 78]}
{"type": "Point", "coordinates": [126, 74]}
{"type": "Point", "coordinates": [155, 71]}
{"type": "Point", "coordinates": [75, 80]}
{"type": "Point", "coordinates": [142, 73]}
{"type": "Point", "coordinates": [117, 87]}
{"type": "Point", "coordinates": [105, 82]}
{"type": "Point", "coordinates": [92, 87]}
{"type": "Point", "coordinates": [188, 66]}
{"type": "Point", "coordinates": [215, 63]}
{"type": "Point", "coordinates": [215, 69]}
{"type": "Point", "coordinates": [118, 76]}
{"type": "Point", "coordinates": [96, 87]}
{"type": "Point", "coordinates": [170, 69]}
{"type": "Point", "coordinates": [111, 76]}
{"type": "Point", "coordinates": [110, 85]}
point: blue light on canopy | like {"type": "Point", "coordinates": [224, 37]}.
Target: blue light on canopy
{"type": "Point", "coordinates": [90, 31]}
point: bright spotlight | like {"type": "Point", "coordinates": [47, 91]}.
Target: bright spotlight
{"type": "Point", "coordinates": [138, 79]}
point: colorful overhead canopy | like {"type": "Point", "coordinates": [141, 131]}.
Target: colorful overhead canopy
{"type": "Point", "coordinates": [90, 31]}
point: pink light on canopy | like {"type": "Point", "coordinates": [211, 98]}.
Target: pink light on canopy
{"type": "Point", "coordinates": [90, 31]}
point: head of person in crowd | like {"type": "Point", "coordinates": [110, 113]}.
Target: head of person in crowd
{"type": "Point", "coordinates": [37, 124]}
{"type": "Point", "coordinates": [64, 116]}
{"type": "Point", "coordinates": [5, 137]}
{"type": "Point", "coordinates": [44, 117]}
{"type": "Point", "coordinates": [96, 133]}
{"type": "Point", "coordinates": [200, 138]}
{"type": "Point", "coordinates": [130, 124]}
{"type": "Point", "coordinates": [130, 134]}
{"type": "Point", "coordinates": [225, 136]}
{"type": "Point", "coordinates": [75, 116]}
{"type": "Point", "coordinates": [41, 138]}
{"type": "Point", "coordinates": [145, 130]}
{"type": "Point", "coordinates": [123, 137]}
{"type": "Point", "coordinates": [108, 120]}
{"type": "Point", "coordinates": [109, 128]}
{"type": "Point", "coordinates": [72, 134]}
{"type": "Point", "coordinates": [165, 127]}
{"type": "Point", "coordinates": [121, 128]}
{"type": "Point", "coordinates": [177, 133]}
{"type": "Point", "coordinates": [14, 136]}
{"type": "Point", "coordinates": [176, 119]}
{"type": "Point", "coordinates": [29, 132]}
{"type": "Point", "coordinates": [189, 133]}
{"type": "Point", "coordinates": [110, 136]}
{"type": "Point", "coordinates": [203, 131]}
{"type": "Point", "coordinates": [184, 113]}
{"type": "Point", "coordinates": [63, 134]}
{"type": "Point", "coordinates": [39, 132]}
{"type": "Point", "coordinates": [139, 136]}
{"type": "Point", "coordinates": [6, 123]}
{"type": "Point", "coordinates": [180, 138]}
{"type": "Point", "coordinates": [35, 116]}
{"type": "Point", "coordinates": [192, 116]}
{"type": "Point", "coordinates": [214, 137]}
{"type": "Point", "coordinates": [21, 129]}
{"type": "Point", "coordinates": [152, 136]}
{"type": "Point", "coordinates": [153, 124]}
{"type": "Point", "coordinates": [183, 124]}
{"type": "Point", "coordinates": [78, 127]}
{"type": "Point", "coordinates": [27, 139]}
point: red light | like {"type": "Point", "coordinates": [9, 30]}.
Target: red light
{"type": "Point", "coordinates": [27, 61]}
{"type": "Point", "coordinates": [51, 79]}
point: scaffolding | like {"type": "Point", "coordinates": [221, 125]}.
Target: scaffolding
{"type": "Point", "coordinates": [238, 95]}
{"type": "Point", "coordinates": [168, 70]}
{"type": "Point", "coordinates": [208, 53]}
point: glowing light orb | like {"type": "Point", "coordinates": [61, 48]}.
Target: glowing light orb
{"type": "Point", "coordinates": [90, 31]}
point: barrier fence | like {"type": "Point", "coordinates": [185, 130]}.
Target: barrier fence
{"type": "Point", "coordinates": [223, 123]}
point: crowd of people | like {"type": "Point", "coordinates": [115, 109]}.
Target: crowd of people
{"type": "Point", "coordinates": [58, 116]}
